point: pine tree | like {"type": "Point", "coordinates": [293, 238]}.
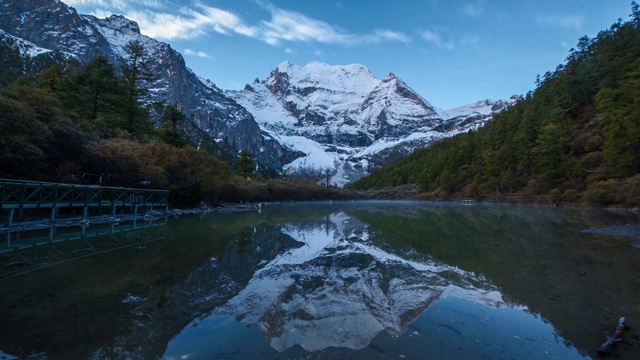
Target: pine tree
{"type": "Point", "coordinates": [169, 131]}
{"type": "Point", "coordinates": [136, 72]}
{"type": "Point", "coordinates": [245, 164]}
{"type": "Point", "coordinates": [12, 63]}
{"type": "Point", "coordinates": [94, 90]}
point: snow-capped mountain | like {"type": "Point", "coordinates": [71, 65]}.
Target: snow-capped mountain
{"type": "Point", "coordinates": [309, 120]}
{"type": "Point", "coordinates": [346, 121]}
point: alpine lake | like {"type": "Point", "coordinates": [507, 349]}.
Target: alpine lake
{"type": "Point", "coordinates": [341, 280]}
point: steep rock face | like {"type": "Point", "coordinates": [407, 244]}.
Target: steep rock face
{"type": "Point", "coordinates": [347, 122]}
{"type": "Point", "coordinates": [394, 110]}
{"type": "Point", "coordinates": [50, 24]}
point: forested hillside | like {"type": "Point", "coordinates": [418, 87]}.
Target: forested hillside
{"type": "Point", "coordinates": [575, 137]}
{"type": "Point", "coordinates": [91, 123]}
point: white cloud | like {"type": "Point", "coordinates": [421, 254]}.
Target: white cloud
{"type": "Point", "coordinates": [166, 26]}
{"type": "Point", "coordinates": [189, 23]}
{"type": "Point", "coordinates": [474, 8]}
{"type": "Point", "coordinates": [563, 21]}
{"type": "Point", "coordinates": [152, 4]}
{"type": "Point", "coordinates": [201, 54]}
{"type": "Point", "coordinates": [158, 19]}
{"type": "Point", "coordinates": [379, 36]}
{"type": "Point", "coordinates": [295, 27]}
{"type": "Point", "coordinates": [112, 4]}
{"type": "Point", "coordinates": [119, 4]}
{"type": "Point", "coordinates": [436, 38]}
{"type": "Point", "coordinates": [224, 21]}
{"type": "Point", "coordinates": [292, 26]}
{"type": "Point", "coordinates": [450, 40]}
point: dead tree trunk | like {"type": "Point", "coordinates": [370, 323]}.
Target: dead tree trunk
{"type": "Point", "coordinates": [607, 347]}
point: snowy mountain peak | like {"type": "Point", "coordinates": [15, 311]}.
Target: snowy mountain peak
{"type": "Point", "coordinates": [484, 107]}
{"type": "Point", "coordinates": [354, 78]}
{"type": "Point", "coordinates": [286, 66]}
{"type": "Point", "coordinates": [121, 23]}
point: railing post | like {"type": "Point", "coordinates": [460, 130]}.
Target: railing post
{"type": "Point", "coordinates": [10, 222]}
{"type": "Point", "coordinates": [23, 193]}
{"type": "Point", "coordinates": [53, 212]}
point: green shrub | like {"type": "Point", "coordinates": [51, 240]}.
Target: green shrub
{"type": "Point", "coordinates": [570, 196]}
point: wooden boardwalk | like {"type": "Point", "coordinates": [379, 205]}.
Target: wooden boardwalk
{"type": "Point", "coordinates": [17, 195]}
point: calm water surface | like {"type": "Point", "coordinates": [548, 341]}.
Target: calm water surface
{"type": "Point", "coordinates": [359, 280]}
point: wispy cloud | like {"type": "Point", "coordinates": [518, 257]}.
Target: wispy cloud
{"type": "Point", "coordinates": [379, 36]}
{"type": "Point", "coordinates": [295, 27]}
{"type": "Point", "coordinates": [119, 4]}
{"type": "Point", "coordinates": [201, 54]}
{"type": "Point", "coordinates": [449, 39]}
{"type": "Point", "coordinates": [157, 19]}
{"type": "Point", "coordinates": [435, 37]}
{"type": "Point", "coordinates": [563, 21]}
{"type": "Point", "coordinates": [113, 4]}
{"type": "Point", "coordinates": [292, 26]}
{"type": "Point", "coordinates": [152, 4]}
{"type": "Point", "coordinates": [189, 23]}
{"type": "Point", "coordinates": [475, 8]}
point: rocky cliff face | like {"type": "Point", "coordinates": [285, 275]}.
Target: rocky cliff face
{"type": "Point", "coordinates": [309, 120]}
{"type": "Point", "coordinates": [52, 25]}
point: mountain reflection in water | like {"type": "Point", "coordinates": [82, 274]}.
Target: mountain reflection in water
{"type": "Point", "coordinates": [340, 284]}
{"type": "Point", "coordinates": [343, 280]}
{"type": "Point", "coordinates": [338, 289]}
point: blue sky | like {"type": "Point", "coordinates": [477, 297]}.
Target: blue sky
{"type": "Point", "coordinates": [451, 52]}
